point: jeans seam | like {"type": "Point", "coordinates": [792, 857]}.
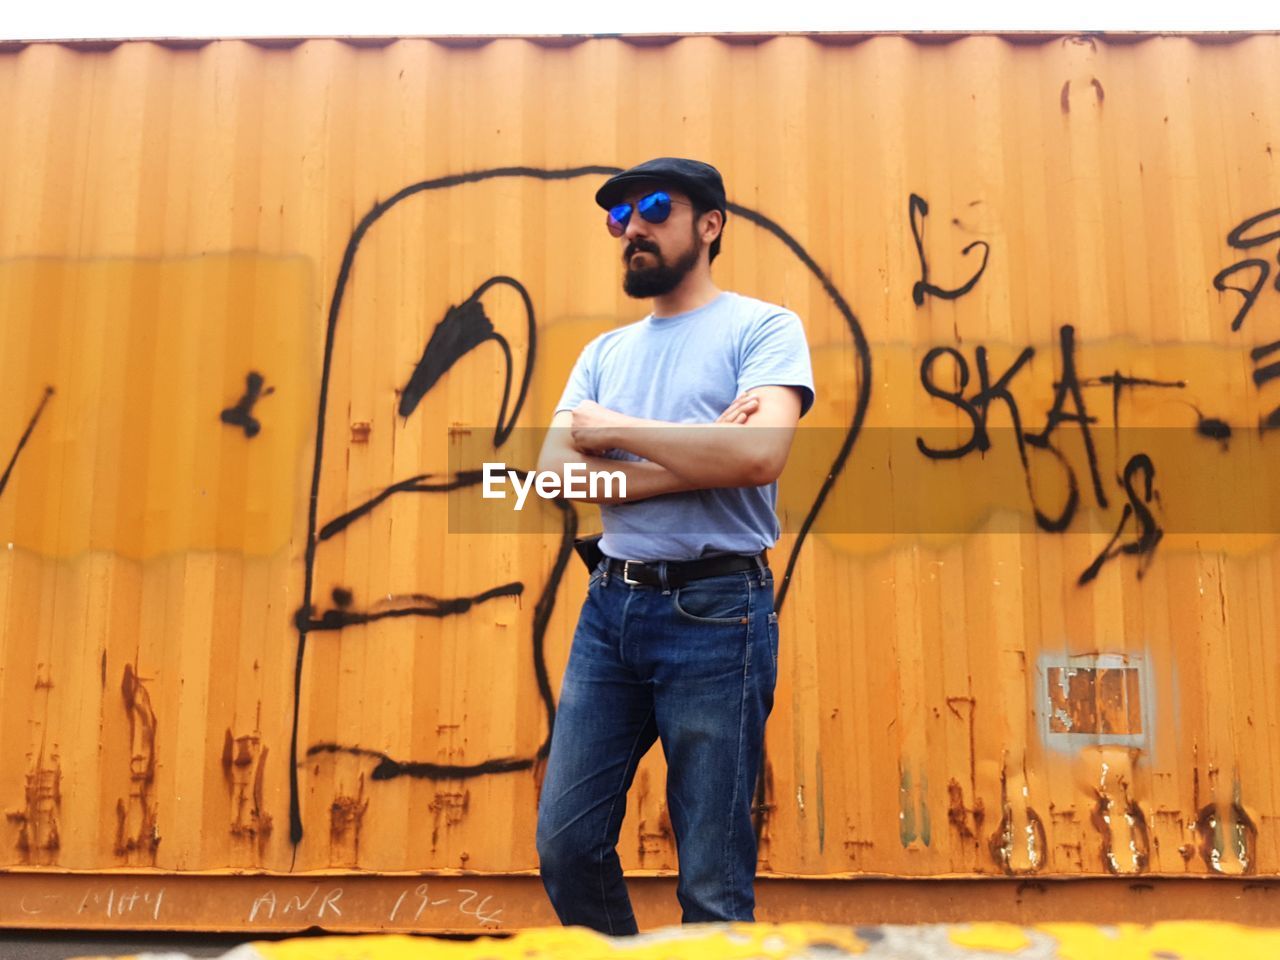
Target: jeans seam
{"type": "Point", "coordinates": [604, 900]}
{"type": "Point", "coordinates": [729, 858]}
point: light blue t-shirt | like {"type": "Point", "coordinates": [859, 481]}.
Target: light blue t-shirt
{"type": "Point", "coordinates": [688, 369]}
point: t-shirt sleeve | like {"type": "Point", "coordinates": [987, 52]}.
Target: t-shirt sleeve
{"type": "Point", "coordinates": [582, 383]}
{"type": "Point", "coordinates": [776, 353]}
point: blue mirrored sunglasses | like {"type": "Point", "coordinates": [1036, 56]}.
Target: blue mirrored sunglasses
{"type": "Point", "coordinates": [654, 208]}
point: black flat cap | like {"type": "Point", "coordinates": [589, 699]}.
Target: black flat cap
{"type": "Point", "coordinates": [699, 180]}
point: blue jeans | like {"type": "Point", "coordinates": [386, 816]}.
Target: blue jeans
{"type": "Point", "coordinates": [693, 667]}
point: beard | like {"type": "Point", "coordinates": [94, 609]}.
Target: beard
{"type": "Point", "coordinates": [659, 280]}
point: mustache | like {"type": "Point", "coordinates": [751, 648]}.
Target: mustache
{"type": "Point", "coordinates": [640, 246]}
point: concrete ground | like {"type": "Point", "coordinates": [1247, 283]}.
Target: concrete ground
{"type": "Point", "coordinates": [40, 945]}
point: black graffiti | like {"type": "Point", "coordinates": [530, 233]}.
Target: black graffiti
{"type": "Point", "coordinates": [1237, 239]}
{"type": "Point", "coordinates": [1264, 375]}
{"type": "Point", "coordinates": [26, 435]}
{"type": "Point", "coordinates": [976, 408]}
{"type": "Point", "coordinates": [1261, 375]}
{"type": "Point", "coordinates": [389, 768]}
{"type": "Point", "coordinates": [1119, 382]}
{"type": "Point", "coordinates": [1070, 390]}
{"type": "Point", "coordinates": [1271, 370]}
{"type": "Point", "coordinates": [418, 484]}
{"type": "Point", "coordinates": [1250, 294]}
{"type": "Point", "coordinates": [425, 605]}
{"type": "Point", "coordinates": [1069, 407]}
{"type": "Point", "coordinates": [463, 328]}
{"type": "Point", "coordinates": [241, 415]}
{"type": "Point", "coordinates": [1213, 428]}
{"type": "Point", "coordinates": [1242, 237]}
{"type": "Point", "coordinates": [1137, 509]}
{"type": "Point", "coordinates": [918, 209]}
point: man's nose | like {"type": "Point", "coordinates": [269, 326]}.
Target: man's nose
{"type": "Point", "coordinates": [636, 227]}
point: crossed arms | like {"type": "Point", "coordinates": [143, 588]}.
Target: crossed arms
{"type": "Point", "coordinates": [746, 446]}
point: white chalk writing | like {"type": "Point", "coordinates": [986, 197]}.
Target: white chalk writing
{"type": "Point", "coordinates": [267, 906]}
{"type": "Point", "coordinates": [422, 898]}
{"type": "Point", "coordinates": [117, 903]}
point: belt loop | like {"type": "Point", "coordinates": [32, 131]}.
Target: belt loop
{"type": "Point", "coordinates": [662, 578]}
{"type": "Point", "coordinates": [759, 567]}
{"type": "Point", "coordinates": [608, 565]}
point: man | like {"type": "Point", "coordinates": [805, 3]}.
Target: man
{"type": "Point", "coordinates": [677, 638]}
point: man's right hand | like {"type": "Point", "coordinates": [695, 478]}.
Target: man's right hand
{"type": "Point", "coordinates": [740, 410]}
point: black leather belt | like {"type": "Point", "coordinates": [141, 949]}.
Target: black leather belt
{"type": "Point", "coordinates": [680, 573]}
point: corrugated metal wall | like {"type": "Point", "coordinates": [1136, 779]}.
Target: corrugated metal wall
{"type": "Point", "coordinates": [212, 258]}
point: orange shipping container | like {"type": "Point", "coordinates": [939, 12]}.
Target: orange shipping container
{"type": "Point", "coordinates": [267, 307]}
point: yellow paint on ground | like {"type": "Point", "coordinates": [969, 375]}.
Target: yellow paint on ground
{"type": "Point", "coordinates": [743, 940]}
{"type": "Point", "coordinates": [1180, 940]}
{"type": "Point", "coordinates": [1000, 937]}
{"type": "Point", "coordinates": [1176, 940]}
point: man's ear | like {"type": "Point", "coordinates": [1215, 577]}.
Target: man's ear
{"type": "Point", "coordinates": [712, 224]}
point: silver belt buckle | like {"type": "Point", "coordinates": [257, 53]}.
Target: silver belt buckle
{"type": "Point", "coordinates": [626, 579]}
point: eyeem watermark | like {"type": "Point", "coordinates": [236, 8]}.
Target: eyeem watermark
{"type": "Point", "coordinates": [577, 483]}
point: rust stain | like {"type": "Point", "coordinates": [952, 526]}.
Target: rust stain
{"type": "Point", "coordinates": [1081, 41]}
{"type": "Point", "coordinates": [1106, 774]}
{"type": "Point", "coordinates": [659, 840]}
{"type": "Point", "coordinates": [38, 836]}
{"type": "Point", "coordinates": [641, 787]}
{"type": "Point", "coordinates": [137, 830]}
{"type": "Point", "coordinates": [1126, 842]}
{"type": "Point", "coordinates": [1075, 851]}
{"type": "Point", "coordinates": [1228, 839]}
{"type": "Point", "coordinates": [1018, 844]}
{"type": "Point", "coordinates": [448, 808]}
{"type": "Point", "coordinates": [244, 761]}
{"type": "Point", "coordinates": [263, 818]}
{"type": "Point", "coordinates": [959, 816]}
{"type": "Point", "coordinates": [854, 849]}
{"type": "Point", "coordinates": [346, 817]}
{"type": "Point", "coordinates": [1105, 700]}
{"type": "Point", "coordinates": [973, 745]}
{"type": "Point", "coordinates": [761, 811]}
{"type": "Point", "coordinates": [539, 773]}
{"type": "Point", "coordinates": [1064, 98]}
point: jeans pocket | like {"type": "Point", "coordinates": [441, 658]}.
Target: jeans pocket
{"type": "Point", "coordinates": [714, 600]}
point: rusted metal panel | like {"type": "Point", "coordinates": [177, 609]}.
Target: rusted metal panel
{"type": "Point", "coordinates": [471, 903]}
{"type": "Point", "coordinates": [263, 307]}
